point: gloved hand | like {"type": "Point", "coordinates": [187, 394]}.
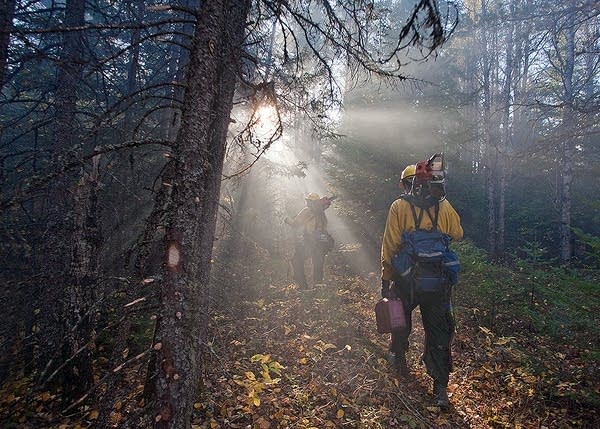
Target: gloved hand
{"type": "Point", "coordinates": [385, 289]}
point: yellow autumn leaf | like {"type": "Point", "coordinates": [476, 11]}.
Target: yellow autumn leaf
{"type": "Point", "coordinates": [250, 375]}
{"type": "Point", "coordinates": [303, 361]}
{"type": "Point", "coordinates": [266, 376]}
{"type": "Point", "coordinates": [260, 358]}
{"type": "Point", "coordinates": [276, 367]}
{"type": "Point", "coordinates": [197, 405]}
{"type": "Point", "coordinates": [340, 413]}
{"type": "Point", "coordinates": [93, 415]}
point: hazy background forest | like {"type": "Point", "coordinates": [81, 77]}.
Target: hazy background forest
{"type": "Point", "coordinates": [149, 152]}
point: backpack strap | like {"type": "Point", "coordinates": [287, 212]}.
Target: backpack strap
{"type": "Point", "coordinates": [434, 219]}
{"type": "Point", "coordinates": [418, 219]}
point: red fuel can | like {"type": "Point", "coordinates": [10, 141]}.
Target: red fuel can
{"type": "Point", "coordinates": [389, 314]}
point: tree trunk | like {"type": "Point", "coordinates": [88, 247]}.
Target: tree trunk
{"type": "Point", "coordinates": [73, 239]}
{"type": "Point", "coordinates": [80, 289]}
{"type": "Point", "coordinates": [490, 152]}
{"type": "Point", "coordinates": [7, 12]}
{"type": "Point", "coordinates": [566, 248]}
{"type": "Point", "coordinates": [506, 132]}
{"type": "Point", "coordinates": [191, 219]}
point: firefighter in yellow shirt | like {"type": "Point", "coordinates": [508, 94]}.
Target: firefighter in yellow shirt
{"type": "Point", "coordinates": [435, 308]}
{"type": "Point", "coordinates": [315, 241]}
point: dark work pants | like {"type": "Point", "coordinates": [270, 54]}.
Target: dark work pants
{"type": "Point", "coordinates": [438, 323]}
{"type": "Point", "coordinates": [302, 252]}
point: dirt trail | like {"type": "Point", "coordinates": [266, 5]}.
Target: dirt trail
{"type": "Point", "coordinates": [334, 371]}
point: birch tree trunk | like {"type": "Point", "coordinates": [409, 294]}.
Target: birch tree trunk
{"type": "Point", "coordinates": [191, 217]}
{"type": "Point", "coordinates": [567, 146]}
{"type": "Point", "coordinates": [506, 131]}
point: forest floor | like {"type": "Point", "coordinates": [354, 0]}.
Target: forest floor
{"type": "Point", "coordinates": [287, 358]}
{"type": "Point", "coordinates": [280, 357]}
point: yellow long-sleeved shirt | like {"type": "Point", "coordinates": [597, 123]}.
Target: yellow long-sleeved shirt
{"type": "Point", "coordinates": [400, 219]}
{"type": "Point", "coordinates": [309, 220]}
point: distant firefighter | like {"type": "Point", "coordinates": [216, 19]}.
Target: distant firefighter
{"type": "Point", "coordinates": [315, 242]}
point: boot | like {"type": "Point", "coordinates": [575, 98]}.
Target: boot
{"type": "Point", "coordinates": [400, 365]}
{"type": "Point", "coordinates": [440, 393]}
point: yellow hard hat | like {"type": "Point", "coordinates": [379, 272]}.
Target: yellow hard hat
{"type": "Point", "coordinates": [312, 197]}
{"type": "Point", "coordinates": [408, 172]}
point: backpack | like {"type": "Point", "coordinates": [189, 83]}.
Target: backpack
{"type": "Point", "coordinates": [425, 261]}
{"type": "Point", "coordinates": [323, 241]}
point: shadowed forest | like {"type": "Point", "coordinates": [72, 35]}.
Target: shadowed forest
{"type": "Point", "coordinates": [154, 156]}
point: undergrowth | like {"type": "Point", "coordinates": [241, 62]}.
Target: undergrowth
{"type": "Point", "coordinates": [550, 301]}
